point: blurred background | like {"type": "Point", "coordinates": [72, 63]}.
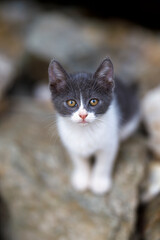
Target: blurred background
{"type": "Point", "coordinates": [36, 199]}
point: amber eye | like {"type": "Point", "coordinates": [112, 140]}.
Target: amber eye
{"type": "Point", "coordinates": [93, 102]}
{"type": "Point", "coordinates": [71, 103]}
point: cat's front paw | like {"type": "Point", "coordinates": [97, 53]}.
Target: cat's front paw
{"type": "Point", "coordinates": [80, 181]}
{"type": "Point", "coordinates": [100, 185]}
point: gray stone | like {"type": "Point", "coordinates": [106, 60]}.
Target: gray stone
{"type": "Point", "coordinates": [151, 183]}
{"type": "Point", "coordinates": [34, 176]}
{"type": "Point", "coordinates": [5, 228]}
{"type": "Point", "coordinates": [151, 118]}
{"type": "Point", "coordinates": [80, 43]}
{"type": "Point", "coordinates": [151, 220]}
{"type": "Point", "coordinates": [6, 73]}
{"type": "Point", "coordinates": [15, 17]}
{"type": "Point", "coordinates": [67, 38]}
{"type": "Point", "coordinates": [12, 53]}
{"type": "Point", "coordinates": [18, 13]}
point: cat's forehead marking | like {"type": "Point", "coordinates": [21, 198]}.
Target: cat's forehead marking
{"type": "Point", "coordinates": [81, 109]}
{"type": "Point", "coordinates": [81, 102]}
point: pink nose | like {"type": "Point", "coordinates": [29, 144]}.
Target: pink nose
{"type": "Point", "coordinates": [83, 116]}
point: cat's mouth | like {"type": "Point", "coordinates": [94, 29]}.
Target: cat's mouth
{"type": "Point", "coordinates": [83, 122]}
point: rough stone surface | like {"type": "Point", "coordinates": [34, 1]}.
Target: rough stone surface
{"type": "Point", "coordinates": [151, 220]}
{"type": "Point", "coordinates": [12, 54]}
{"type": "Point", "coordinates": [67, 38]}
{"type": "Point", "coordinates": [15, 19]}
{"type": "Point", "coordinates": [34, 167]}
{"type": "Point", "coordinates": [34, 176]}
{"type": "Point", "coordinates": [5, 228]}
{"type": "Point", "coordinates": [151, 186]}
{"type": "Point", "coordinates": [80, 43]}
{"type": "Point", "coordinates": [151, 117]}
{"type": "Point", "coordinates": [18, 13]}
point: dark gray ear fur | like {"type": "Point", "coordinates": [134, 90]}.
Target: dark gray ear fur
{"type": "Point", "coordinates": [57, 76]}
{"type": "Point", "coordinates": [105, 73]}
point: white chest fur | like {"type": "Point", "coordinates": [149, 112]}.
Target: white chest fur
{"type": "Point", "coordinates": [86, 140]}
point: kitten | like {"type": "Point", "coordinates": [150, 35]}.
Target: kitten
{"type": "Point", "coordinates": [94, 112]}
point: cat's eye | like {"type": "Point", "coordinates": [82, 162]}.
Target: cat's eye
{"type": "Point", "coordinates": [71, 103]}
{"type": "Point", "coordinates": [93, 102]}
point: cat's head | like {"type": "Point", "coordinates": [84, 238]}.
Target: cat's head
{"type": "Point", "coordinates": [81, 97]}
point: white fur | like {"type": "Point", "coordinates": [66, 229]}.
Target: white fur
{"type": "Point", "coordinates": [99, 136]}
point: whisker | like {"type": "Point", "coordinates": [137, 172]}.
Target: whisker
{"type": "Point", "coordinates": [52, 132]}
{"type": "Point", "coordinates": [50, 123]}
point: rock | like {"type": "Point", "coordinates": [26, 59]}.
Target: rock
{"type": "Point", "coordinates": [18, 13]}
{"type": "Point", "coordinates": [34, 176]}
{"type": "Point", "coordinates": [80, 43]}
{"type": "Point", "coordinates": [60, 36]}
{"type": "Point", "coordinates": [4, 104]}
{"type": "Point", "coordinates": [68, 39]}
{"type": "Point", "coordinates": [15, 17]}
{"type": "Point", "coordinates": [150, 220]}
{"type": "Point", "coordinates": [151, 186]}
{"type": "Point", "coordinates": [12, 54]}
{"type": "Point", "coordinates": [6, 73]}
{"type": "Point", "coordinates": [5, 228]}
{"type": "Point", "coordinates": [42, 92]}
{"type": "Point", "coordinates": [151, 117]}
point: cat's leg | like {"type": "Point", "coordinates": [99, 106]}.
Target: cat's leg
{"type": "Point", "coordinates": [101, 178]}
{"type": "Point", "coordinates": [81, 173]}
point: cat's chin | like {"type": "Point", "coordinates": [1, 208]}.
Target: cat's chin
{"type": "Point", "coordinates": [83, 123]}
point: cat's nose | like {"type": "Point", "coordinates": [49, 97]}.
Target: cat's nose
{"type": "Point", "coordinates": [83, 115]}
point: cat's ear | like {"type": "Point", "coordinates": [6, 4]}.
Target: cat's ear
{"type": "Point", "coordinates": [104, 73]}
{"type": "Point", "coordinates": [57, 76]}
